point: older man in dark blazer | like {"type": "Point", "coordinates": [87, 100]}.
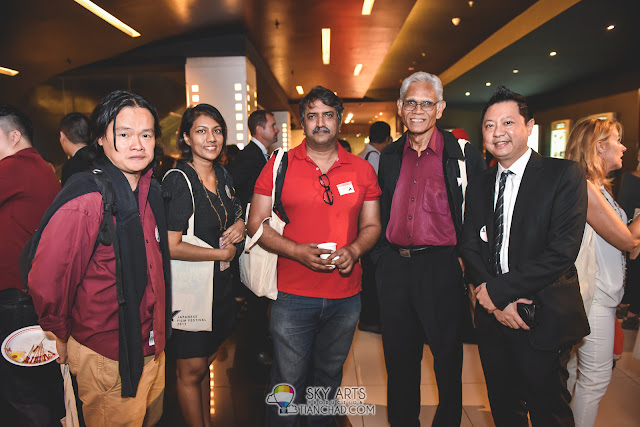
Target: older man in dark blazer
{"type": "Point", "coordinates": [522, 232]}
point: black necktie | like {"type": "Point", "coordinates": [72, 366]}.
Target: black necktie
{"type": "Point", "coordinates": [498, 221]}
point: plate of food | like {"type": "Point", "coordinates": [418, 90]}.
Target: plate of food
{"type": "Point", "coordinates": [29, 347]}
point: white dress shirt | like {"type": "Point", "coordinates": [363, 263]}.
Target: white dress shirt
{"type": "Point", "coordinates": [510, 195]}
{"type": "Point", "coordinates": [262, 148]}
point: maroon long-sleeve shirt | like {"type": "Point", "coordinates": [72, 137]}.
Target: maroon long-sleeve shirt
{"type": "Point", "coordinates": [75, 293]}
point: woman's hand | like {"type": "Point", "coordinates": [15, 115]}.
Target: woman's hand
{"type": "Point", "coordinates": [232, 235]}
{"type": "Point", "coordinates": [228, 253]}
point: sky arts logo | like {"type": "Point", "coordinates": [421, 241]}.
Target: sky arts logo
{"type": "Point", "coordinates": [346, 401]}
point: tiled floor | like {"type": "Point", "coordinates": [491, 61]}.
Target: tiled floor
{"type": "Point", "coordinates": [240, 387]}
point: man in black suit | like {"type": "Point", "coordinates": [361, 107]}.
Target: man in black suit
{"type": "Point", "coordinates": [245, 170]}
{"type": "Point", "coordinates": [74, 137]}
{"type": "Point", "coordinates": [522, 232]}
{"type": "Point", "coordinates": [250, 161]}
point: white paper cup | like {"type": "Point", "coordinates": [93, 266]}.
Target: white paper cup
{"type": "Point", "coordinates": [329, 245]}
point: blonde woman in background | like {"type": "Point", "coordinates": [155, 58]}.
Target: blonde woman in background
{"type": "Point", "coordinates": [596, 145]}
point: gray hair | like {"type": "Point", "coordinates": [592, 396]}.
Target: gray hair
{"type": "Point", "coordinates": [422, 77]}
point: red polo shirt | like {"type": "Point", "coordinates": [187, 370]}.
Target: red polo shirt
{"type": "Point", "coordinates": [314, 221]}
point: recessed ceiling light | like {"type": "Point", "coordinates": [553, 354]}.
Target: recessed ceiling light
{"type": "Point", "coordinates": [367, 6]}
{"type": "Point", "coordinates": [357, 70]}
{"type": "Point", "coordinates": [424, 54]}
{"type": "Point", "coordinates": [348, 118]}
{"type": "Point", "coordinates": [455, 21]}
{"type": "Point", "coordinates": [300, 90]}
{"type": "Point", "coordinates": [515, 71]}
{"type": "Point", "coordinates": [487, 84]}
{"type": "Point", "coordinates": [326, 45]}
{"type": "Point", "coordinates": [380, 113]}
{"type": "Point", "coordinates": [8, 71]}
{"type": "Point", "coordinates": [553, 53]}
{"type": "Point", "coordinates": [101, 13]}
{"type": "Point", "coordinates": [467, 93]}
{"type": "Point", "coordinates": [610, 27]}
{"type": "Point", "coordinates": [411, 68]}
{"type": "Point", "coordinates": [470, 2]}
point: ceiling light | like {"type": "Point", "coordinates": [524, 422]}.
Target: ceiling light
{"type": "Point", "coordinates": [367, 6]}
{"type": "Point", "coordinates": [8, 71]}
{"type": "Point", "coordinates": [610, 27]}
{"type": "Point", "coordinates": [455, 21]}
{"type": "Point", "coordinates": [467, 93]}
{"type": "Point", "coordinates": [515, 71]}
{"type": "Point", "coordinates": [326, 45]}
{"type": "Point", "coordinates": [300, 90]}
{"type": "Point", "coordinates": [100, 12]}
{"type": "Point", "coordinates": [348, 118]}
{"type": "Point", "coordinates": [357, 70]}
{"type": "Point", "coordinates": [554, 53]}
{"type": "Point", "coordinates": [195, 88]}
{"type": "Point", "coordinates": [470, 2]}
{"type": "Point", "coordinates": [487, 84]}
{"type": "Point", "coordinates": [424, 54]}
{"type": "Point", "coordinates": [195, 98]}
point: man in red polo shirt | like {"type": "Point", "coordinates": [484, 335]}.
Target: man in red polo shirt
{"type": "Point", "coordinates": [329, 195]}
{"type": "Point", "coordinates": [419, 276]}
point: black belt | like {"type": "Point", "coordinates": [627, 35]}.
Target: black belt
{"type": "Point", "coordinates": [412, 251]}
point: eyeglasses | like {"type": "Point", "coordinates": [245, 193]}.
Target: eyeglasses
{"type": "Point", "coordinates": [411, 105]}
{"type": "Point", "coordinates": [327, 196]}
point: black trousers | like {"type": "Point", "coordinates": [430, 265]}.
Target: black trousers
{"type": "Point", "coordinates": [421, 297]}
{"type": "Point", "coordinates": [29, 396]}
{"type": "Point", "coordinates": [521, 379]}
{"type": "Point", "coordinates": [370, 311]}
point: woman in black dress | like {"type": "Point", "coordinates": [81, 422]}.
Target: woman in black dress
{"type": "Point", "coordinates": [218, 221]}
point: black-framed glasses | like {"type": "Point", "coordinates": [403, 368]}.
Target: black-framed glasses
{"type": "Point", "coordinates": [327, 195]}
{"type": "Point", "coordinates": [412, 104]}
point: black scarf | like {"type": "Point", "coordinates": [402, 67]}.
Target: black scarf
{"type": "Point", "coordinates": [132, 270]}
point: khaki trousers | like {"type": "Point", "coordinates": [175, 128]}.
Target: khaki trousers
{"type": "Point", "coordinates": [99, 388]}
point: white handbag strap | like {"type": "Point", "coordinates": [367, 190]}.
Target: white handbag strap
{"type": "Point", "coordinates": [253, 240]}
{"type": "Point", "coordinates": [463, 174]}
{"type": "Point", "coordinates": [190, 227]}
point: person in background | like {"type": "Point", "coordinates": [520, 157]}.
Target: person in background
{"type": "Point", "coordinates": [74, 139]}
{"type": "Point", "coordinates": [629, 199]}
{"type": "Point", "coordinates": [596, 145]}
{"type": "Point", "coordinates": [379, 139]}
{"type": "Point", "coordinates": [111, 317]}
{"type": "Point", "coordinates": [202, 138]}
{"type": "Point", "coordinates": [345, 144]}
{"type": "Point", "coordinates": [245, 171]}
{"type": "Point", "coordinates": [29, 396]}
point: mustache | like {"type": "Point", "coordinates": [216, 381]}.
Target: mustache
{"type": "Point", "coordinates": [320, 128]}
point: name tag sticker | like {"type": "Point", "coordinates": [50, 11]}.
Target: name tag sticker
{"type": "Point", "coordinates": [345, 188]}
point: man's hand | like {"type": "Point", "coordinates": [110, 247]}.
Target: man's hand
{"type": "Point", "coordinates": [510, 317]}
{"type": "Point", "coordinates": [61, 347]}
{"type": "Point", "coordinates": [484, 299]}
{"type": "Point", "coordinates": [233, 234]}
{"type": "Point", "coordinates": [308, 255]}
{"type": "Point", "coordinates": [348, 256]}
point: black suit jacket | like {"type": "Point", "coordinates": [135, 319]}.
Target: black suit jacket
{"type": "Point", "coordinates": [546, 231]}
{"type": "Point", "coordinates": [79, 162]}
{"type": "Point", "coordinates": [245, 171]}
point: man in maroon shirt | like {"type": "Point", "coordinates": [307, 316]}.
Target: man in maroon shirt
{"type": "Point", "coordinates": [111, 328]}
{"type": "Point", "coordinates": [418, 275]}
{"type": "Point", "coordinates": [29, 396]}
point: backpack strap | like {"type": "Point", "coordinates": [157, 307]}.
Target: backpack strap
{"type": "Point", "coordinates": [278, 208]}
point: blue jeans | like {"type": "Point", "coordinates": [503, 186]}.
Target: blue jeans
{"type": "Point", "coordinates": [311, 341]}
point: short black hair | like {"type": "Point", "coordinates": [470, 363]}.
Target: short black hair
{"type": "Point", "coordinates": [108, 109]}
{"type": "Point", "coordinates": [379, 132]}
{"type": "Point", "coordinates": [13, 119]}
{"type": "Point", "coordinates": [76, 128]}
{"type": "Point", "coordinates": [327, 97]}
{"type": "Point", "coordinates": [188, 118]}
{"type": "Point", "coordinates": [502, 94]}
{"type": "Point", "coordinates": [257, 118]}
